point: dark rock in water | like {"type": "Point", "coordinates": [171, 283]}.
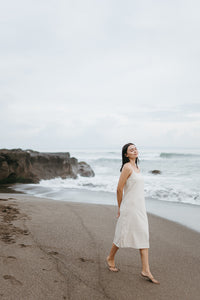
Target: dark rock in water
{"type": "Point", "coordinates": [85, 170]}
{"type": "Point", "coordinates": [28, 166]}
{"type": "Point", "coordinates": [156, 172]}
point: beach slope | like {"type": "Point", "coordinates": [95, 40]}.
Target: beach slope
{"type": "Point", "coordinates": [56, 250]}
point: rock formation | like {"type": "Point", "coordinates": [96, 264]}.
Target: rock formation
{"type": "Point", "coordinates": [28, 166]}
{"type": "Point", "coordinates": [156, 172]}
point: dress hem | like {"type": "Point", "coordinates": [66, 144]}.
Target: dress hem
{"type": "Point", "coordinates": [131, 246]}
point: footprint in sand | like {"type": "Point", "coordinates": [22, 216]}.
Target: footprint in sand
{"type": "Point", "coordinates": [24, 246]}
{"type": "Point", "coordinates": [12, 279]}
{"type": "Point", "coordinates": [9, 258]}
{"type": "Point", "coordinates": [26, 232]}
{"type": "Point", "coordinates": [53, 252]}
{"type": "Point", "coordinates": [86, 259]}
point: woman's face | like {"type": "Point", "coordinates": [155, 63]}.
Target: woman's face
{"type": "Point", "coordinates": [132, 152]}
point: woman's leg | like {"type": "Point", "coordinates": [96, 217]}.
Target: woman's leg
{"type": "Point", "coordinates": [145, 260]}
{"type": "Point", "coordinates": [144, 253]}
{"type": "Point", "coordinates": [111, 257]}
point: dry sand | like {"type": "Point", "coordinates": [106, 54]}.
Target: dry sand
{"type": "Point", "coordinates": [56, 250]}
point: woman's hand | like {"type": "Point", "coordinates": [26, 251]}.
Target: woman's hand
{"type": "Point", "coordinates": [118, 213]}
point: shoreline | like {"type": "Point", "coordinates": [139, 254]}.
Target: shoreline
{"type": "Point", "coordinates": [7, 188]}
{"type": "Point", "coordinates": [181, 213]}
{"type": "Point", "coordinates": [57, 250]}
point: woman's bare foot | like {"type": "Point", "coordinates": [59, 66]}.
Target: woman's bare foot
{"type": "Point", "coordinates": [150, 277]}
{"type": "Point", "coordinates": [111, 264]}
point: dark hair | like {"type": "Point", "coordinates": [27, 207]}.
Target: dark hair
{"type": "Point", "coordinates": [125, 159]}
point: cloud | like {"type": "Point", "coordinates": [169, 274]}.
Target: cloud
{"type": "Point", "coordinates": [99, 73]}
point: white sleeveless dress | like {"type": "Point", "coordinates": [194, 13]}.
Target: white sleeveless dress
{"type": "Point", "coordinates": [132, 228]}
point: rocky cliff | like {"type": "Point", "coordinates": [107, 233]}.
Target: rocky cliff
{"type": "Point", "coordinates": [28, 166]}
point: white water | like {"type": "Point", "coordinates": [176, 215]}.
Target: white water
{"type": "Point", "coordinates": [179, 180]}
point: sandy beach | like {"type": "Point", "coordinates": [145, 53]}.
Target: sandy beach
{"type": "Point", "coordinates": [56, 250]}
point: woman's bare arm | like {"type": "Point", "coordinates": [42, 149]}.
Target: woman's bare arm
{"type": "Point", "coordinates": [126, 171]}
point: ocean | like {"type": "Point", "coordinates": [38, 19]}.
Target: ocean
{"type": "Point", "coordinates": [179, 181]}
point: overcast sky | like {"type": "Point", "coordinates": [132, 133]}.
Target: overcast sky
{"type": "Point", "coordinates": [81, 74]}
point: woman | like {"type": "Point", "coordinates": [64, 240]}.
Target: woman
{"type": "Point", "coordinates": [132, 228]}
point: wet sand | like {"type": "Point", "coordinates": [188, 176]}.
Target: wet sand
{"type": "Point", "coordinates": [56, 250]}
